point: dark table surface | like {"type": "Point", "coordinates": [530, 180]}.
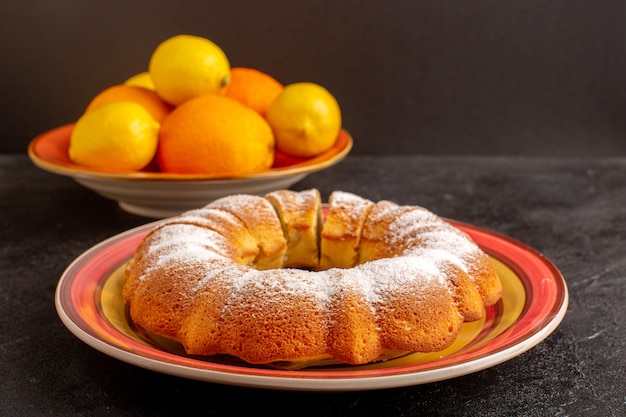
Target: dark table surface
{"type": "Point", "coordinates": [573, 211]}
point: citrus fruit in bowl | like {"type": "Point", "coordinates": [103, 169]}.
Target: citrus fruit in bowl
{"type": "Point", "coordinates": [253, 88]}
{"type": "Point", "coordinates": [141, 79]}
{"type": "Point", "coordinates": [185, 66]}
{"type": "Point", "coordinates": [120, 135]}
{"type": "Point", "coordinates": [215, 134]}
{"type": "Point", "coordinates": [305, 118]}
{"type": "Point", "coordinates": [147, 98]}
{"type": "Point", "coordinates": [191, 129]}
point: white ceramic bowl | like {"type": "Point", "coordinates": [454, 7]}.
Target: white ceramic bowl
{"type": "Point", "coordinates": [159, 195]}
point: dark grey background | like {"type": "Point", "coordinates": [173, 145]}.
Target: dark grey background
{"type": "Point", "coordinates": [524, 77]}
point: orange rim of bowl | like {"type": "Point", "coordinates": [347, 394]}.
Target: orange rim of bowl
{"type": "Point", "coordinates": [49, 151]}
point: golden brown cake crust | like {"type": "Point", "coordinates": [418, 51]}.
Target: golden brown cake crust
{"type": "Point", "coordinates": [261, 219]}
{"type": "Point", "coordinates": [389, 278]}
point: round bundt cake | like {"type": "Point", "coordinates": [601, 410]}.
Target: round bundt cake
{"type": "Point", "coordinates": [271, 279]}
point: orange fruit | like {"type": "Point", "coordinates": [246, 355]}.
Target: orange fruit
{"type": "Point", "coordinates": [215, 135]}
{"type": "Point", "coordinates": [122, 92]}
{"type": "Point", "coordinates": [253, 88]}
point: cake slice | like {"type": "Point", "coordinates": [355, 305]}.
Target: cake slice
{"type": "Point", "coordinates": [342, 230]}
{"type": "Point", "coordinates": [301, 217]}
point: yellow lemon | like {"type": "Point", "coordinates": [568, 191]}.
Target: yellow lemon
{"type": "Point", "coordinates": [305, 118]}
{"type": "Point", "coordinates": [141, 79]}
{"type": "Point", "coordinates": [185, 66]}
{"type": "Point", "coordinates": [121, 135]}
